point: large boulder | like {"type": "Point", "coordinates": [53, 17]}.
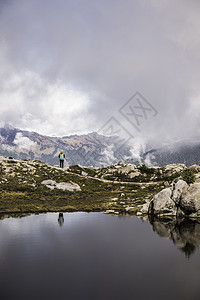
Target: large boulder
{"type": "Point", "coordinates": [162, 204]}
{"type": "Point", "coordinates": [68, 186]}
{"type": "Point", "coordinates": [65, 186]}
{"type": "Point", "coordinates": [178, 188]}
{"type": "Point", "coordinates": [190, 199]}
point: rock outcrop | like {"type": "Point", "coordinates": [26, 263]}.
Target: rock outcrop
{"type": "Point", "coordinates": [180, 199]}
{"type": "Point", "coordinates": [65, 186]}
{"type": "Point", "coordinates": [174, 168]}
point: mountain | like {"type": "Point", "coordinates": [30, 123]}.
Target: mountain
{"type": "Point", "coordinates": [89, 149]}
{"type": "Point", "coordinates": [93, 149]}
{"type": "Point", "coordinates": [180, 151]}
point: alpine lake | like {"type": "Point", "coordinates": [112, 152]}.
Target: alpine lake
{"type": "Point", "coordinates": [83, 255]}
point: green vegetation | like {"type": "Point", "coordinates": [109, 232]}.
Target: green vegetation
{"type": "Point", "coordinates": [116, 187]}
{"type": "Point", "coordinates": [189, 176]}
{"type": "Point", "coordinates": [79, 170]}
{"type": "Point", "coordinates": [146, 170]}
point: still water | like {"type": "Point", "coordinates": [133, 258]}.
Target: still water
{"type": "Point", "coordinates": [97, 256]}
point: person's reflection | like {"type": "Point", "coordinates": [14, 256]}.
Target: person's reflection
{"type": "Point", "coordinates": [60, 219]}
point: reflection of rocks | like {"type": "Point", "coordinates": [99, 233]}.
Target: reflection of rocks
{"type": "Point", "coordinates": [185, 233]}
{"type": "Point", "coordinates": [13, 215]}
{"type": "Point", "coordinates": [178, 200]}
{"type": "Point", "coordinates": [163, 228]}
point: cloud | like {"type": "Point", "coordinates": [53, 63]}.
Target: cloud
{"type": "Point", "coordinates": [108, 156]}
{"type": "Point", "coordinates": [23, 142]}
{"type": "Point", "coordinates": [69, 66]}
{"type": "Point", "coordinates": [138, 148]}
{"type": "Point", "coordinates": [30, 102]}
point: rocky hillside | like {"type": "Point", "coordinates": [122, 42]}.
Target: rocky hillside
{"type": "Point", "coordinates": [33, 186]}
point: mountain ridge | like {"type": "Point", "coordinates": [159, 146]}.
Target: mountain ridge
{"type": "Point", "coordinates": [87, 149]}
{"type": "Point", "coordinates": [93, 149]}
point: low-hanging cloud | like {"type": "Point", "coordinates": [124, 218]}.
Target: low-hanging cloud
{"type": "Point", "coordinates": [23, 142]}
{"type": "Point", "coordinates": [68, 66]}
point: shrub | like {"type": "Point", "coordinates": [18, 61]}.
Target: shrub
{"type": "Point", "coordinates": [188, 176]}
{"type": "Point", "coordinates": [145, 169]}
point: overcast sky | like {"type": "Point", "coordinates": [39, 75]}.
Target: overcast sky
{"type": "Point", "coordinates": [67, 66]}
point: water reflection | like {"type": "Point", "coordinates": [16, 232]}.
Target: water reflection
{"type": "Point", "coordinates": [14, 215]}
{"type": "Point", "coordinates": [61, 219]}
{"type": "Point", "coordinates": [185, 233]}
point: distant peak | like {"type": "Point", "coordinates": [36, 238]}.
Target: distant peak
{"type": "Point", "coordinates": [8, 126]}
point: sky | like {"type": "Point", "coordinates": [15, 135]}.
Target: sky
{"type": "Point", "coordinates": [70, 66]}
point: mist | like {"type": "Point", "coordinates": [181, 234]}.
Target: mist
{"type": "Point", "coordinates": [68, 67]}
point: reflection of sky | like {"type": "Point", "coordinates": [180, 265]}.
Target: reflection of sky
{"type": "Point", "coordinates": [92, 252]}
{"type": "Point", "coordinates": [37, 228]}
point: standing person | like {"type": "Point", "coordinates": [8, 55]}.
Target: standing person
{"type": "Point", "coordinates": [61, 157]}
